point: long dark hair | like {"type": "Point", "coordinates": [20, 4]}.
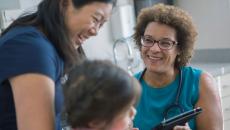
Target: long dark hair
{"type": "Point", "coordinates": [98, 91]}
{"type": "Point", "coordinates": [49, 18]}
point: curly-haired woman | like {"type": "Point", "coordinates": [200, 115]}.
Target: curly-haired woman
{"type": "Point", "coordinates": [36, 50]}
{"type": "Point", "coordinates": [165, 36]}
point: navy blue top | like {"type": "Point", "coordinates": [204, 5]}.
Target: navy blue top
{"type": "Point", "coordinates": [26, 50]}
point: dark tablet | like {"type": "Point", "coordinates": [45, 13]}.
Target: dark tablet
{"type": "Point", "coordinates": [178, 120]}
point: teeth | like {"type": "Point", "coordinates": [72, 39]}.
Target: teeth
{"type": "Point", "coordinates": [154, 58]}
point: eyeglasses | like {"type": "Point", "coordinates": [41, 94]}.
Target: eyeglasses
{"type": "Point", "coordinates": [164, 44]}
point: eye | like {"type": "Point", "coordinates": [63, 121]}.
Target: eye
{"type": "Point", "coordinates": [95, 20]}
{"type": "Point", "coordinates": [101, 24]}
{"type": "Point", "coordinates": [166, 43]}
{"type": "Point", "coordinates": [147, 40]}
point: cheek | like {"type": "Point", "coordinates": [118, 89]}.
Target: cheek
{"type": "Point", "coordinates": [173, 55]}
{"type": "Point", "coordinates": [171, 58]}
{"type": "Point", "coordinates": [143, 52]}
{"type": "Point", "coordinates": [72, 26]}
{"type": "Point", "coordinates": [121, 124]}
{"type": "Point", "coordinates": [77, 22]}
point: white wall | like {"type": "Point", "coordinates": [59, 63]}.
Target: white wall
{"type": "Point", "coordinates": [212, 18]}
{"type": "Point", "coordinates": [7, 16]}
{"type": "Point", "coordinates": [101, 46]}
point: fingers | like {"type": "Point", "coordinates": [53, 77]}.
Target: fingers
{"type": "Point", "coordinates": [186, 127]}
{"type": "Point", "coordinates": [181, 128]}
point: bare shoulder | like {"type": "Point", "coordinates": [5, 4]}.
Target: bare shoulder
{"type": "Point", "coordinates": [209, 99]}
{"type": "Point", "coordinates": [208, 83]}
{"type": "Point", "coordinates": [209, 92]}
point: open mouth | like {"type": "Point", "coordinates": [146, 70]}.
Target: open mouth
{"type": "Point", "coordinates": [154, 57]}
{"type": "Point", "coordinates": [79, 39]}
{"type": "Point", "coordinates": [82, 38]}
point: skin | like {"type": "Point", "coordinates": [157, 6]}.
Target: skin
{"type": "Point", "coordinates": [33, 92]}
{"type": "Point", "coordinates": [85, 22]}
{"type": "Point", "coordinates": [34, 101]}
{"type": "Point", "coordinates": [123, 121]}
{"type": "Point", "coordinates": [211, 118]}
{"type": "Point", "coordinates": [159, 63]}
{"type": "Point", "coordinates": [161, 71]}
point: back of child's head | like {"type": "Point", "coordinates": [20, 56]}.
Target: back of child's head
{"type": "Point", "coordinates": [97, 91]}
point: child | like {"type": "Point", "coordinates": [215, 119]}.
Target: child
{"type": "Point", "coordinates": [100, 96]}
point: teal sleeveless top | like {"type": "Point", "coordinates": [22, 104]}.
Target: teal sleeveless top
{"type": "Point", "coordinates": [154, 101]}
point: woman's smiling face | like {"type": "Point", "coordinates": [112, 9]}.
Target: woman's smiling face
{"type": "Point", "coordinates": [85, 22]}
{"type": "Point", "coordinates": [155, 58]}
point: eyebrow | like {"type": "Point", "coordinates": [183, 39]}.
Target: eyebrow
{"type": "Point", "coordinates": [149, 36]}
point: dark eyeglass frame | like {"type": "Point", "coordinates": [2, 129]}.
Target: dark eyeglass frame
{"type": "Point", "coordinates": [153, 41]}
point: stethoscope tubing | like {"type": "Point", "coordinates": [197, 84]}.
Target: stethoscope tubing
{"type": "Point", "coordinates": [176, 103]}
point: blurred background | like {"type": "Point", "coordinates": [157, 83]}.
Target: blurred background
{"type": "Point", "coordinates": [114, 42]}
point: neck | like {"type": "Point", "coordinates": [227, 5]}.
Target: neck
{"type": "Point", "coordinates": [160, 79]}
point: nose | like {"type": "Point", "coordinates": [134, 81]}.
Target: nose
{"type": "Point", "coordinates": [155, 46]}
{"type": "Point", "coordinates": [94, 30]}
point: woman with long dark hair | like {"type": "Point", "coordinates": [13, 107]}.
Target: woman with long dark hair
{"type": "Point", "coordinates": [36, 50]}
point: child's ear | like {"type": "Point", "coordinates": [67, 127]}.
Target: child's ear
{"type": "Point", "coordinates": [98, 125]}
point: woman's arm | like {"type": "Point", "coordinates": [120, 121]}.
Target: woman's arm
{"type": "Point", "coordinates": [209, 100]}
{"type": "Point", "coordinates": [34, 101]}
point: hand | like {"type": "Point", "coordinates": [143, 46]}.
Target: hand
{"type": "Point", "coordinates": [186, 127]}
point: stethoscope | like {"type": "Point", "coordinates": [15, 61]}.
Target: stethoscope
{"type": "Point", "coordinates": [175, 105]}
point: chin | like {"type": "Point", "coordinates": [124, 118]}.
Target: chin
{"type": "Point", "coordinates": [76, 45]}
{"type": "Point", "coordinates": [155, 69]}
